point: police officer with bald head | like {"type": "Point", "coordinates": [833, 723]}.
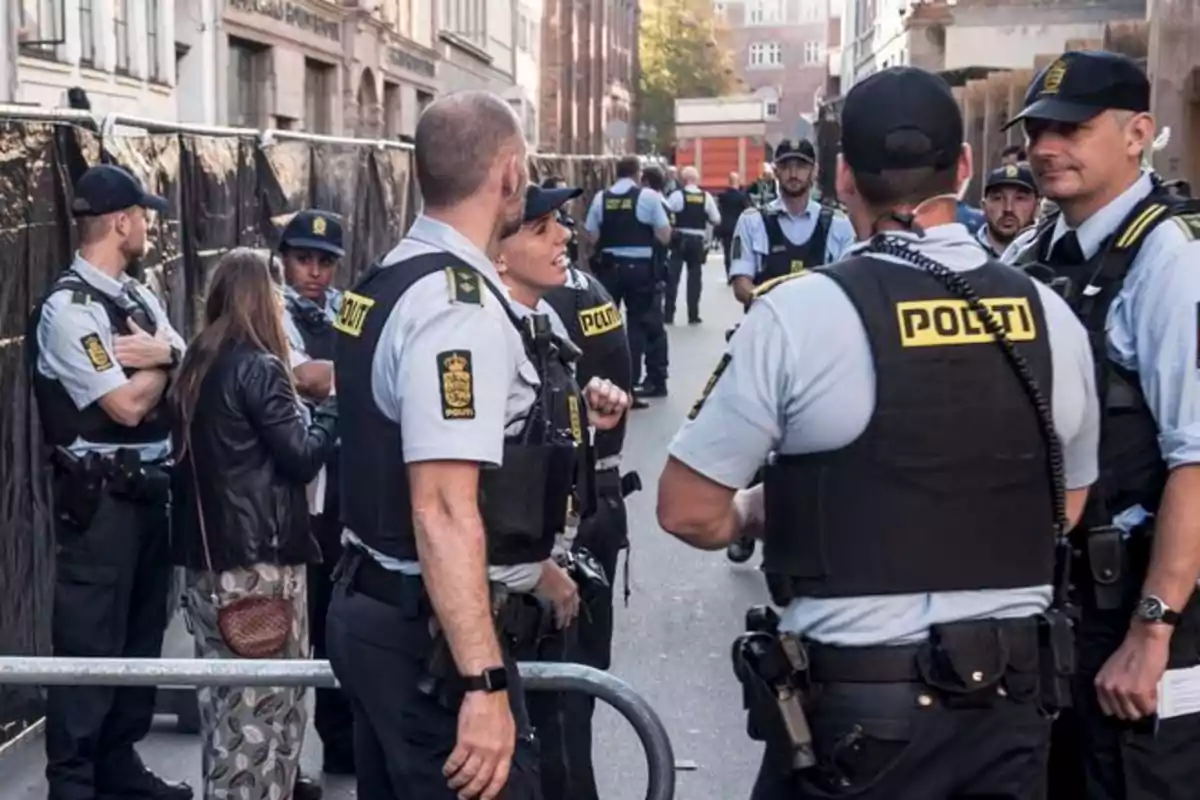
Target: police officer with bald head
{"type": "Point", "coordinates": [929, 422]}
{"type": "Point", "coordinates": [1124, 253]}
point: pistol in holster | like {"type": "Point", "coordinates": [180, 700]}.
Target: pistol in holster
{"type": "Point", "coordinates": [773, 670]}
{"type": "Point", "coordinates": [129, 478]}
{"type": "Point", "coordinates": [78, 485]}
{"type": "Point", "coordinates": [440, 678]}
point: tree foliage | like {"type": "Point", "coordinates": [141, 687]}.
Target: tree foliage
{"type": "Point", "coordinates": [684, 52]}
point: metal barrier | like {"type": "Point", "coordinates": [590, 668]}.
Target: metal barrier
{"type": "Point", "coordinates": [537, 676]}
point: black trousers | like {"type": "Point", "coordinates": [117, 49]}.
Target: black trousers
{"type": "Point", "coordinates": [640, 286]}
{"type": "Point", "coordinates": [110, 601]}
{"type": "Point", "coordinates": [402, 737]}
{"type": "Point", "coordinates": [563, 720]}
{"type": "Point", "coordinates": [1148, 760]}
{"type": "Point", "coordinates": [727, 250]}
{"type": "Point", "coordinates": [888, 741]}
{"type": "Point", "coordinates": [332, 716]}
{"type": "Point", "coordinates": [688, 252]}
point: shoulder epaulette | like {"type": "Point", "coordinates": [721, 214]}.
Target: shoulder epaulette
{"type": "Point", "coordinates": [1187, 217]}
{"type": "Point", "coordinates": [1137, 228]}
{"type": "Point", "coordinates": [80, 297]}
{"type": "Point", "coordinates": [464, 285]}
{"type": "Point", "coordinates": [767, 286]}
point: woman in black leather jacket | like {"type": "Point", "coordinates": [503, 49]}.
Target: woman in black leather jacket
{"type": "Point", "coordinates": [242, 443]}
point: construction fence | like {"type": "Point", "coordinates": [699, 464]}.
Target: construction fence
{"type": "Point", "coordinates": [226, 188]}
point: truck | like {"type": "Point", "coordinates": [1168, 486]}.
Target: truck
{"type": "Point", "coordinates": [720, 135]}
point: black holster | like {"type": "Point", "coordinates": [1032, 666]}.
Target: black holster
{"type": "Point", "coordinates": [1108, 566]}
{"type": "Point", "coordinates": [78, 486]}
{"type": "Point", "coordinates": [130, 479]}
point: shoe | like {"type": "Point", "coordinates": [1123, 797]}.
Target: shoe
{"type": "Point", "coordinates": [638, 403]}
{"type": "Point", "coordinates": [740, 551]}
{"type": "Point", "coordinates": [694, 321]}
{"type": "Point", "coordinates": [148, 786]}
{"type": "Point", "coordinates": [307, 789]}
{"type": "Point", "coordinates": [652, 391]}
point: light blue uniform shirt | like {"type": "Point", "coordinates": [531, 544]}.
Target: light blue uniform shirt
{"type": "Point", "coordinates": [1152, 322]}
{"type": "Point", "coordinates": [406, 381]}
{"type": "Point", "coordinates": [751, 232]}
{"type": "Point", "coordinates": [801, 379]}
{"type": "Point", "coordinates": [650, 210]}
{"type": "Point", "coordinates": [62, 355]}
{"type": "Point", "coordinates": [333, 304]}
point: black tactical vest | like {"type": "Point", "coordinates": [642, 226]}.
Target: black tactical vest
{"type": "Point", "coordinates": [783, 256]}
{"type": "Point", "coordinates": [693, 217]}
{"type": "Point", "coordinates": [320, 338]}
{"type": "Point", "coordinates": [595, 326]}
{"type": "Point", "coordinates": [1132, 470]}
{"type": "Point", "coordinates": [62, 422]}
{"type": "Point", "coordinates": [619, 225]}
{"type": "Point", "coordinates": [948, 488]}
{"type": "Point", "coordinates": [524, 502]}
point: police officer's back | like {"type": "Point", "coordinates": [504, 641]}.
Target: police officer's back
{"type": "Point", "coordinates": [1124, 252]}
{"type": "Point", "coordinates": [101, 350]}
{"type": "Point", "coordinates": [912, 501]}
{"type": "Point", "coordinates": [790, 233]}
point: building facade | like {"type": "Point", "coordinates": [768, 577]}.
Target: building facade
{"type": "Point", "coordinates": [781, 54]}
{"type": "Point", "coordinates": [120, 53]}
{"type": "Point", "coordinates": [476, 39]}
{"type": "Point", "coordinates": [588, 75]}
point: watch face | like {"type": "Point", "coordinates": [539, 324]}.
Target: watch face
{"type": "Point", "coordinates": [1150, 608]}
{"type": "Point", "coordinates": [497, 679]}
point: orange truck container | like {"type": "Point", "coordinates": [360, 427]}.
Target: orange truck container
{"type": "Point", "coordinates": [720, 135]}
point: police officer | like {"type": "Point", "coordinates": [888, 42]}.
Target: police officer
{"type": "Point", "coordinates": [101, 352]}
{"type": "Point", "coordinates": [909, 517]}
{"type": "Point", "coordinates": [1124, 252]}
{"type": "Point", "coordinates": [624, 223]}
{"type": "Point", "coordinates": [1010, 203]}
{"type": "Point", "coordinates": [694, 210]}
{"type": "Point", "coordinates": [788, 234]}
{"type": "Point", "coordinates": [764, 191]}
{"type": "Point", "coordinates": [311, 248]}
{"type": "Point", "coordinates": [444, 397]}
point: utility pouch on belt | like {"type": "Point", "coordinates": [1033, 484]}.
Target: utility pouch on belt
{"type": "Point", "coordinates": [1056, 647]}
{"type": "Point", "coordinates": [772, 670]}
{"type": "Point", "coordinates": [514, 498]}
{"type": "Point", "coordinates": [1107, 563]}
{"type": "Point", "coordinates": [965, 661]}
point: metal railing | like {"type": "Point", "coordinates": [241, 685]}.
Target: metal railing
{"type": "Point", "coordinates": [188, 672]}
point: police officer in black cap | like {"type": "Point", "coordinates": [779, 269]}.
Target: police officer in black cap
{"type": "Point", "coordinates": [931, 422]}
{"type": "Point", "coordinates": [311, 248]}
{"type": "Point", "coordinates": [1010, 204]}
{"type": "Point", "coordinates": [1124, 252]}
{"type": "Point", "coordinates": [101, 352]}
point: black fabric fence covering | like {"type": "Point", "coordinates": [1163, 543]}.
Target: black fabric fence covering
{"type": "Point", "coordinates": [224, 192]}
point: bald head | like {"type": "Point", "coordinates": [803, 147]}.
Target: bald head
{"type": "Point", "coordinates": [458, 139]}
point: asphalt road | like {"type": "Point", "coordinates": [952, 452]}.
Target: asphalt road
{"type": "Point", "coordinates": [672, 642]}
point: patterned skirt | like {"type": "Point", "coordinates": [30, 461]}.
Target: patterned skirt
{"type": "Point", "coordinates": [252, 735]}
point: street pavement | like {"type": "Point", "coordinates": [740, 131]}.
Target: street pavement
{"type": "Point", "coordinates": [672, 643]}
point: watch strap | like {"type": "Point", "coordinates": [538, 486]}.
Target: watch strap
{"type": "Point", "coordinates": [490, 680]}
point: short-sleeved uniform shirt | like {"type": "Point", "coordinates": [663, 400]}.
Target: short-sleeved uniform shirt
{"type": "Point", "coordinates": [650, 211]}
{"type": "Point", "coordinates": [711, 212]}
{"type": "Point", "coordinates": [1152, 323]}
{"type": "Point", "coordinates": [62, 355]}
{"type": "Point", "coordinates": [801, 379]}
{"type": "Point", "coordinates": [751, 246]}
{"type": "Point", "coordinates": [406, 380]}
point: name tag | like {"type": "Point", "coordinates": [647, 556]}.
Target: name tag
{"type": "Point", "coordinates": [935, 323]}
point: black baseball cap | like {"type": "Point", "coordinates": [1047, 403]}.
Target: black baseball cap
{"type": "Point", "coordinates": [901, 118]}
{"type": "Point", "coordinates": [539, 201]}
{"type": "Point", "coordinates": [314, 230]}
{"type": "Point", "coordinates": [1083, 83]}
{"type": "Point", "coordinates": [108, 188]}
{"type": "Point", "coordinates": [1011, 175]}
{"type": "Point", "coordinates": [803, 150]}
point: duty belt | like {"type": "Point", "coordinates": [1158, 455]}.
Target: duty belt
{"type": "Point", "coordinates": [608, 462]}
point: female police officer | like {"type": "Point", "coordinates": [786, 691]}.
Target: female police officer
{"type": "Point", "coordinates": [910, 511]}
{"type": "Point", "coordinates": [433, 374]}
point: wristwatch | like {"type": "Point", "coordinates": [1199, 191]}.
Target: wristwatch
{"type": "Point", "coordinates": [1152, 609]}
{"type": "Point", "coordinates": [494, 679]}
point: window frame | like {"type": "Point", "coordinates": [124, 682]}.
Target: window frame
{"type": "Point", "coordinates": [121, 43]}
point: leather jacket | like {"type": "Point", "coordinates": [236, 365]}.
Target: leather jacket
{"type": "Point", "coordinates": [255, 456]}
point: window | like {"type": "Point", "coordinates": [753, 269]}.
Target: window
{"type": "Point", "coordinates": [772, 108]}
{"type": "Point", "coordinates": [766, 54]}
{"type": "Point", "coordinates": [40, 29]}
{"type": "Point", "coordinates": [154, 54]}
{"type": "Point", "coordinates": [763, 12]}
{"type": "Point", "coordinates": [121, 32]}
{"type": "Point", "coordinates": [87, 33]}
{"type": "Point", "coordinates": [318, 89]}
{"type": "Point", "coordinates": [248, 69]}
{"type": "Point", "coordinates": [813, 52]}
